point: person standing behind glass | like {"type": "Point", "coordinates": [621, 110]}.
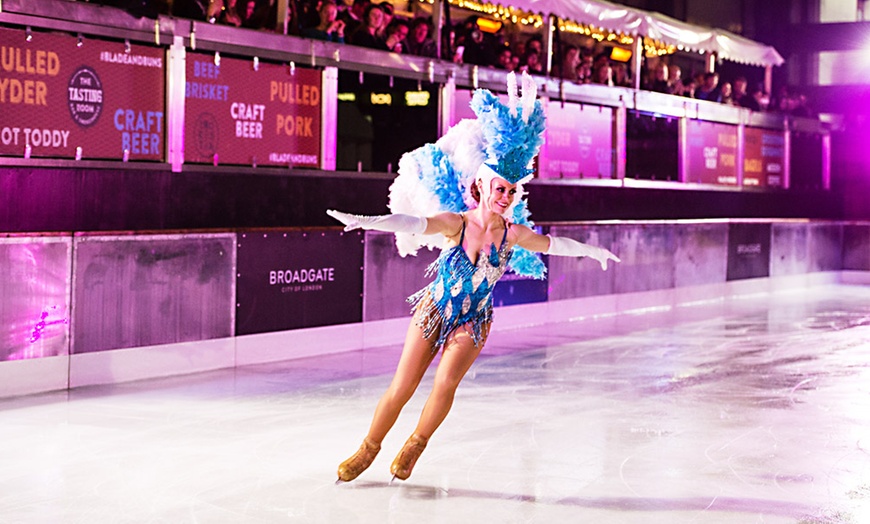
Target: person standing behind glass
{"type": "Point", "coordinates": [396, 35]}
{"type": "Point", "coordinates": [353, 17]}
{"type": "Point", "coordinates": [709, 89]}
{"type": "Point", "coordinates": [366, 35]}
{"type": "Point", "coordinates": [330, 28]}
{"type": "Point", "coordinates": [418, 42]}
{"type": "Point", "coordinates": [570, 62]}
{"type": "Point", "coordinates": [388, 9]}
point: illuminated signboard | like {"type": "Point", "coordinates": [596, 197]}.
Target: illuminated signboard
{"type": "Point", "coordinates": [764, 158]}
{"type": "Point", "coordinates": [236, 113]}
{"type": "Point", "coordinates": [712, 154]}
{"type": "Point", "coordinates": [64, 97]}
{"type": "Point", "coordinates": [578, 142]}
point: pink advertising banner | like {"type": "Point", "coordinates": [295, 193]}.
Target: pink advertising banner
{"type": "Point", "coordinates": [763, 157]}
{"type": "Point", "coordinates": [65, 97]}
{"type": "Point", "coordinates": [712, 155]}
{"type": "Point", "coordinates": [245, 113]}
{"type": "Point", "coordinates": [462, 105]}
{"type": "Point", "coordinates": [579, 142]}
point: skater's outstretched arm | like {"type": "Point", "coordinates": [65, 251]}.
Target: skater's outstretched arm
{"type": "Point", "coordinates": [561, 246]}
{"type": "Point", "coordinates": [447, 224]}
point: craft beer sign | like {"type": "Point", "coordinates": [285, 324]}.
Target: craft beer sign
{"type": "Point", "coordinates": [246, 112]}
{"type": "Point", "coordinates": [68, 97]}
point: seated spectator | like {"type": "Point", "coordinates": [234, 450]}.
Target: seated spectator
{"type": "Point", "coordinates": [531, 62]}
{"type": "Point", "coordinates": [449, 45]}
{"type": "Point", "coordinates": [658, 81]}
{"type": "Point", "coordinates": [620, 75]}
{"type": "Point", "coordinates": [388, 10]}
{"type": "Point", "coordinates": [800, 106]}
{"type": "Point", "coordinates": [330, 28]}
{"type": "Point", "coordinates": [726, 95]}
{"type": "Point", "coordinates": [686, 89]}
{"type": "Point", "coordinates": [224, 12]}
{"type": "Point", "coordinates": [601, 59]}
{"type": "Point", "coordinates": [309, 13]}
{"type": "Point", "coordinates": [709, 89]}
{"type": "Point", "coordinates": [584, 70]}
{"type": "Point", "coordinates": [504, 59]}
{"type": "Point", "coordinates": [780, 102]}
{"type": "Point", "coordinates": [292, 23]}
{"type": "Point", "coordinates": [519, 50]}
{"type": "Point", "coordinates": [193, 9]}
{"type": "Point", "coordinates": [570, 62]}
{"type": "Point", "coordinates": [475, 49]}
{"type": "Point", "coordinates": [353, 17]}
{"type": "Point", "coordinates": [675, 79]}
{"type": "Point", "coordinates": [602, 73]}
{"type": "Point", "coordinates": [738, 89]}
{"type": "Point", "coordinates": [752, 100]}
{"type": "Point", "coordinates": [396, 33]}
{"type": "Point", "coordinates": [253, 13]}
{"type": "Point", "coordinates": [367, 34]}
{"type": "Point", "coordinates": [536, 43]}
{"type": "Point", "coordinates": [418, 42]}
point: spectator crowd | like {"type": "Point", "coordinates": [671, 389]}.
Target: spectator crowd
{"type": "Point", "coordinates": [377, 26]}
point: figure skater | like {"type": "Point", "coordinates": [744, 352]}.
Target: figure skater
{"type": "Point", "coordinates": [468, 189]}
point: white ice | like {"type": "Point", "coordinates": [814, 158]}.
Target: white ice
{"type": "Point", "coordinates": [744, 410]}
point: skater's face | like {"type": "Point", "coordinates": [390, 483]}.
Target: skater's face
{"type": "Point", "coordinates": [500, 196]}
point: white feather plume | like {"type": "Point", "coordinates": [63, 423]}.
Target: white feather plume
{"type": "Point", "coordinates": [530, 94]}
{"type": "Point", "coordinates": [513, 96]}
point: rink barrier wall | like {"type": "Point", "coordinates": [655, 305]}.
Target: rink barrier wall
{"type": "Point", "coordinates": [87, 309]}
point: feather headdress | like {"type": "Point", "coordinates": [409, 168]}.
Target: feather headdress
{"type": "Point", "coordinates": [502, 141]}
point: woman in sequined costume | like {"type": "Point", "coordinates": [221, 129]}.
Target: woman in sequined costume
{"type": "Point", "coordinates": [454, 312]}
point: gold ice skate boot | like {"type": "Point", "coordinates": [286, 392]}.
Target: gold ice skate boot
{"type": "Point", "coordinates": [359, 461]}
{"type": "Point", "coordinates": [407, 457]}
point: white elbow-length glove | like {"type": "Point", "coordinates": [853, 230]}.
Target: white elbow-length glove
{"type": "Point", "coordinates": [567, 247]}
{"type": "Point", "coordinates": [397, 223]}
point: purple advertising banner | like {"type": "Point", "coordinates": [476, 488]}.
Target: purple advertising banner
{"type": "Point", "coordinates": [579, 142]}
{"type": "Point", "coordinates": [67, 97]}
{"type": "Point", "coordinates": [296, 279]}
{"type": "Point", "coordinates": [251, 113]}
{"type": "Point", "coordinates": [462, 106]}
{"type": "Point", "coordinates": [712, 155]}
{"type": "Point", "coordinates": [763, 157]}
{"type": "Point", "coordinates": [34, 297]}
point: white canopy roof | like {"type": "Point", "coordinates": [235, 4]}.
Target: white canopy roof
{"type": "Point", "coordinates": [631, 21]}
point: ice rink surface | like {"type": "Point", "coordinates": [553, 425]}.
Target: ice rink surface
{"type": "Point", "coordinates": [742, 410]}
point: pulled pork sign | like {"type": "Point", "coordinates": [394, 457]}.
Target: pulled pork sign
{"type": "Point", "coordinates": [243, 112]}
{"type": "Point", "coordinates": [68, 97]}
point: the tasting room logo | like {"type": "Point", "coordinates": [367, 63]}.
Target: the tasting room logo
{"type": "Point", "coordinates": [85, 96]}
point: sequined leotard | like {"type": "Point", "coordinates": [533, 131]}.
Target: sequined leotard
{"type": "Point", "coordinates": [461, 293]}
